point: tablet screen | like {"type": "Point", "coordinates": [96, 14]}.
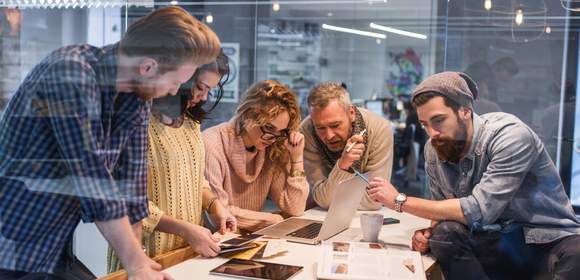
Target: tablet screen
{"type": "Point", "coordinates": [256, 270]}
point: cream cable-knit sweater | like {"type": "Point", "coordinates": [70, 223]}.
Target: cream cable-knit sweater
{"type": "Point", "coordinates": [243, 180]}
{"type": "Point", "coordinates": [175, 180]}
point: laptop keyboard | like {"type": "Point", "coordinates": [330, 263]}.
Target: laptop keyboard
{"type": "Point", "coordinates": [309, 231]}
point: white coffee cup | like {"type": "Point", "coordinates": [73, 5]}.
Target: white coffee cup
{"type": "Point", "coordinates": [371, 224]}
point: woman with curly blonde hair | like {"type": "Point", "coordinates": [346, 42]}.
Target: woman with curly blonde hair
{"type": "Point", "coordinates": [259, 154]}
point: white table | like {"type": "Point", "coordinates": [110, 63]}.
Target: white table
{"type": "Point", "coordinates": [307, 255]}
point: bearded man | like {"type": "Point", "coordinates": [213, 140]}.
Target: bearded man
{"type": "Point", "coordinates": [341, 138]}
{"type": "Point", "coordinates": [499, 209]}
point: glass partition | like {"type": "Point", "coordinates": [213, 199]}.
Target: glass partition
{"type": "Point", "coordinates": [521, 53]}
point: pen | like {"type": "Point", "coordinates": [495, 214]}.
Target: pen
{"type": "Point", "coordinates": [440, 242]}
{"type": "Point", "coordinates": [361, 175]}
{"type": "Point", "coordinates": [352, 144]}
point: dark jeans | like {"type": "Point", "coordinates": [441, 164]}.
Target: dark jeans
{"type": "Point", "coordinates": [69, 268]}
{"type": "Point", "coordinates": [498, 255]}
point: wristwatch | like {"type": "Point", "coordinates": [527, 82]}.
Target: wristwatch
{"type": "Point", "coordinates": [399, 200]}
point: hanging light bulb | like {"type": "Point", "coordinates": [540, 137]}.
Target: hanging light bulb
{"type": "Point", "coordinates": [209, 18]}
{"type": "Point", "coordinates": [487, 4]}
{"type": "Point", "coordinates": [276, 6]}
{"type": "Point", "coordinates": [519, 16]}
{"type": "Point", "coordinates": [548, 29]}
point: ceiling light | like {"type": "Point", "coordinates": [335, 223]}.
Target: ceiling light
{"type": "Point", "coordinates": [174, 2]}
{"type": "Point", "coordinates": [548, 29]}
{"type": "Point", "coordinates": [209, 18]}
{"type": "Point", "coordinates": [276, 6]}
{"type": "Point", "coordinates": [519, 16]}
{"type": "Point", "coordinates": [487, 4]}
{"type": "Point", "coordinates": [353, 31]}
{"type": "Point", "coordinates": [398, 31]}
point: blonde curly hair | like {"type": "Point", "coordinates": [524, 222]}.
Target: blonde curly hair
{"type": "Point", "coordinates": [261, 103]}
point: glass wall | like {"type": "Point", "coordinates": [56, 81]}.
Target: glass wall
{"type": "Point", "coordinates": [29, 32]}
{"type": "Point", "coordinates": [523, 54]}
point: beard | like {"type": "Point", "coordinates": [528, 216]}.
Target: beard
{"type": "Point", "coordinates": [338, 144]}
{"type": "Point", "coordinates": [451, 149]}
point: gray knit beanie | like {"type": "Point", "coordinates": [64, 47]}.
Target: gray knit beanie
{"type": "Point", "coordinates": [457, 86]}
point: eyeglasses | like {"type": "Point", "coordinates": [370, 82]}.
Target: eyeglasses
{"type": "Point", "coordinates": [269, 136]}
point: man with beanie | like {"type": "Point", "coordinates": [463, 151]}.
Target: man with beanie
{"type": "Point", "coordinates": [499, 209]}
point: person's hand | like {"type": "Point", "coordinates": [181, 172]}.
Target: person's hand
{"type": "Point", "coordinates": [420, 241]}
{"type": "Point", "coordinates": [221, 215]}
{"type": "Point", "coordinates": [381, 190]}
{"type": "Point", "coordinates": [355, 153]}
{"type": "Point", "coordinates": [295, 146]}
{"type": "Point", "coordinates": [201, 240]}
{"type": "Point", "coordinates": [149, 270]}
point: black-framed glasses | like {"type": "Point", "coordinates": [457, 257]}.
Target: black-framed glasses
{"type": "Point", "coordinates": [269, 136]}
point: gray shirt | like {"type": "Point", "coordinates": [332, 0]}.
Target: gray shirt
{"type": "Point", "coordinates": [506, 177]}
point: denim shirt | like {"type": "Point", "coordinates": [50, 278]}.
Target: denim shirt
{"type": "Point", "coordinates": [507, 176]}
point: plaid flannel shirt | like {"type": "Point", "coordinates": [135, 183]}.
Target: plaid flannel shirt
{"type": "Point", "coordinates": [71, 148]}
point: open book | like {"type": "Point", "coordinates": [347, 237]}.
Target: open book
{"type": "Point", "coordinates": [357, 260]}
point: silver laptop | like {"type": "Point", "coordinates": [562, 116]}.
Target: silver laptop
{"type": "Point", "coordinates": [347, 198]}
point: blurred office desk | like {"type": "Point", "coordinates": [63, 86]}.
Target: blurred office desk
{"type": "Point", "coordinates": [307, 255]}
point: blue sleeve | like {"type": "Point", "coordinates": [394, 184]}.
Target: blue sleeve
{"type": "Point", "coordinates": [513, 151]}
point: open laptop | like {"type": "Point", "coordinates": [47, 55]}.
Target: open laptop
{"type": "Point", "coordinates": [347, 197]}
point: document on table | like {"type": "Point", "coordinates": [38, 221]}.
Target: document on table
{"type": "Point", "coordinates": [358, 260]}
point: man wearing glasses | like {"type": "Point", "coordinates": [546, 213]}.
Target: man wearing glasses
{"type": "Point", "coordinates": [341, 138]}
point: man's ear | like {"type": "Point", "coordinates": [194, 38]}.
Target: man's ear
{"type": "Point", "coordinates": [351, 113]}
{"type": "Point", "coordinates": [465, 113]}
{"type": "Point", "coordinates": [148, 67]}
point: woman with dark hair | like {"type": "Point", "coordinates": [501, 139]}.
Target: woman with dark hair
{"type": "Point", "coordinates": [259, 154]}
{"type": "Point", "coordinates": [177, 189]}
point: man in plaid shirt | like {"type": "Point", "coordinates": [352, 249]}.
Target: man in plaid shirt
{"type": "Point", "coordinates": [73, 145]}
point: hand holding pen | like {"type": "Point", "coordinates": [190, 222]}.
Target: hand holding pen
{"type": "Point", "coordinates": [353, 151]}
{"type": "Point", "coordinates": [353, 143]}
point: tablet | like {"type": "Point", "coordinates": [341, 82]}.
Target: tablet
{"type": "Point", "coordinates": [248, 269]}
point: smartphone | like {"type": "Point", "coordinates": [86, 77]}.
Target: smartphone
{"type": "Point", "coordinates": [241, 240]}
{"type": "Point", "coordinates": [234, 248]}
{"type": "Point", "coordinates": [389, 221]}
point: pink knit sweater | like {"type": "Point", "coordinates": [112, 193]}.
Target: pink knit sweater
{"type": "Point", "coordinates": [243, 180]}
